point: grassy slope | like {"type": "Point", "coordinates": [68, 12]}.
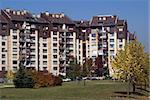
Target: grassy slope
{"type": "Point", "coordinates": [94, 90]}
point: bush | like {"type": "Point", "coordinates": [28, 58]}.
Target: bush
{"type": "Point", "coordinates": [57, 81]}
{"type": "Point", "coordinates": [43, 79]}
{"type": "Point", "coordinates": [23, 80]}
{"type": "Point", "coordinates": [34, 79]}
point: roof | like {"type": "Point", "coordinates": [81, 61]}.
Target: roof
{"type": "Point", "coordinates": [82, 23]}
{"type": "Point", "coordinates": [57, 18]}
{"type": "Point", "coordinates": [132, 36]}
{"type": "Point", "coordinates": [22, 15]}
{"type": "Point", "coordinates": [120, 22]}
{"type": "Point", "coordinates": [103, 20]}
{"type": "Point", "coordinates": [3, 19]}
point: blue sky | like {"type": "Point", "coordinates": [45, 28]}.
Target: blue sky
{"type": "Point", "coordinates": [134, 11]}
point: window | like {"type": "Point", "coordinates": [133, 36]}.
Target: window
{"type": "Point", "coordinates": [112, 45]}
{"type": "Point", "coordinates": [32, 62]}
{"type": "Point", "coordinates": [15, 56]}
{"type": "Point", "coordinates": [54, 44]}
{"type": "Point", "coordinates": [14, 37]}
{"type": "Point", "coordinates": [14, 43]}
{"type": "Point", "coordinates": [54, 50]}
{"type": "Point", "coordinates": [54, 62]}
{"type": "Point", "coordinates": [3, 56]}
{"type": "Point", "coordinates": [14, 62]}
{"type": "Point", "coordinates": [44, 68]}
{"type": "Point", "coordinates": [93, 39]}
{"type": "Point", "coordinates": [54, 33]}
{"type": "Point", "coordinates": [111, 40]}
{"type": "Point", "coordinates": [3, 43]}
{"type": "Point", "coordinates": [3, 37]}
{"type": "Point", "coordinates": [32, 38]}
{"type": "Point", "coordinates": [3, 50]}
{"type": "Point", "coordinates": [54, 68]}
{"type": "Point", "coordinates": [32, 50]}
{"type": "Point", "coordinates": [44, 62]}
{"type": "Point", "coordinates": [100, 18]}
{"type": "Point", "coordinates": [120, 40]}
{"type": "Point", "coordinates": [120, 29]}
{"type": "Point", "coordinates": [3, 62]}
{"type": "Point", "coordinates": [69, 34]}
{"type": "Point", "coordinates": [44, 56]}
{"type": "Point", "coordinates": [32, 56]}
{"type": "Point", "coordinates": [44, 50]}
{"type": "Point", "coordinates": [111, 34]}
{"type": "Point", "coordinates": [54, 38]}
{"type": "Point", "coordinates": [104, 18]}
{"type": "Point", "coordinates": [54, 56]}
{"type": "Point", "coordinates": [120, 46]}
{"type": "Point", "coordinates": [111, 51]}
{"type": "Point", "coordinates": [3, 69]}
{"type": "Point", "coordinates": [44, 45]}
{"type": "Point", "coordinates": [93, 35]}
{"type": "Point", "coordinates": [55, 27]}
{"type": "Point", "coordinates": [14, 31]}
{"type": "Point", "coordinates": [44, 39]}
{"type": "Point", "coordinates": [45, 33]}
{"type": "Point", "coordinates": [4, 25]}
{"type": "Point", "coordinates": [14, 68]}
{"type": "Point", "coordinates": [14, 49]}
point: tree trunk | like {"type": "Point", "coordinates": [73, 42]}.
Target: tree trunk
{"type": "Point", "coordinates": [133, 86]}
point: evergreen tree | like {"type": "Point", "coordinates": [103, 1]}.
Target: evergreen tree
{"type": "Point", "coordinates": [23, 79]}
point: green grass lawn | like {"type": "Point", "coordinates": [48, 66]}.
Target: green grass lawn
{"type": "Point", "coordinates": [94, 90]}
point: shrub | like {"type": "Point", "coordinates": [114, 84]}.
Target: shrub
{"type": "Point", "coordinates": [43, 79]}
{"type": "Point", "coordinates": [57, 81]}
{"type": "Point", "coordinates": [34, 79]}
{"type": "Point", "coordinates": [23, 80]}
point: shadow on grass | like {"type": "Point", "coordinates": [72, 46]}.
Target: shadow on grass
{"type": "Point", "coordinates": [122, 94]}
{"type": "Point", "coordinates": [143, 89]}
{"type": "Point", "coordinates": [126, 93]}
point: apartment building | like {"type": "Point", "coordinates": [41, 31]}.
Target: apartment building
{"type": "Point", "coordinates": [108, 35]}
{"type": "Point", "coordinates": [82, 41]}
{"type": "Point", "coordinates": [63, 41]}
{"type": "Point", "coordinates": [49, 42]}
{"type": "Point", "coordinates": [23, 45]}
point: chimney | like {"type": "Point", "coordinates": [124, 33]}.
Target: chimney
{"type": "Point", "coordinates": [62, 14]}
{"type": "Point", "coordinates": [8, 10]}
{"type": "Point", "coordinates": [14, 12]}
{"type": "Point", "coordinates": [38, 16]}
{"type": "Point", "coordinates": [18, 12]}
{"type": "Point", "coordinates": [47, 13]}
{"type": "Point", "coordinates": [24, 11]}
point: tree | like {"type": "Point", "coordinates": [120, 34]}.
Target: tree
{"type": "Point", "coordinates": [73, 70]}
{"type": "Point", "coordinates": [23, 79]}
{"type": "Point", "coordinates": [131, 64]}
{"type": "Point", "coordinates": [86, 70]}
{"type": "Point", "coordinates": [9, 76]}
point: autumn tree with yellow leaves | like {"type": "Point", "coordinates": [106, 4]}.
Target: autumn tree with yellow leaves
{"type": "Point", "coordinates": [132, 64]}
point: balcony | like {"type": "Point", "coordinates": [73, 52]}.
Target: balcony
{"type": "Point", "coordinates": [33, 26]}
{"type": "Point", "coordinates": [70, 29]}
{"type": "Point", "coordinates": [103, 36]}
{"type": "Point", "coordinates": [100, 52]}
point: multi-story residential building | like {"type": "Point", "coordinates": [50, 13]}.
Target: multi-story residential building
{"type": "Point", "coordinates": [82, 41]}
{"type": "Point", "coordinates": [25, 31]}
{"type": "Point", "coordinates": [108, 35]}
{"type": "Point", "coordinates": [63, 41]}
{"type": "Point", "coordinates": [51, 41]}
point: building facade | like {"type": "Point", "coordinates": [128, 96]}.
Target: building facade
{"type": "Point", "coordinates": [51, 41]}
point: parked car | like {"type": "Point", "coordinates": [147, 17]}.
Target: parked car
{"type": "Point", "coordinates": [66, 80]}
